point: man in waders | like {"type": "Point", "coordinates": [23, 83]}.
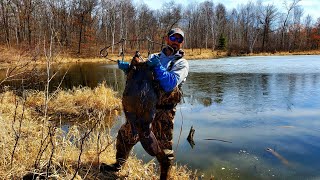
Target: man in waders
{"type": "Point", "coordinates": [170, 70]}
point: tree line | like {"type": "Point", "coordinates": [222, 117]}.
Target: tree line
{"type": "Point", "coordinates": [85, 26]}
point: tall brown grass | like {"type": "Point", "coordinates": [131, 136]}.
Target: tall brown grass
{"type": "Point", "coordinates": [78, 102]}
{"type": "Point", "coordinates": [30, 147]}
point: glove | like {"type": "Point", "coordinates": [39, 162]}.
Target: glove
{"type": "Point", "coordinates": [153, 61]}
{"type": "Point", "coordinates": [124, 66]}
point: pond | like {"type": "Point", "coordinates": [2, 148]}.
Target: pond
{"type": "Point", "coordinates": [243, 105]}
{"type": "Point", "coordinates": [256, 103]}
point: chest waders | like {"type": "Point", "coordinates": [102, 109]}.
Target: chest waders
{"type": "Point", "coordinates": [162, 125]}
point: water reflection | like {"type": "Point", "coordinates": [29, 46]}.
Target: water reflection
{"type": "Point", "coordinates": [67, 76]}
{"type": "Point", "coordinates": [90, 74]}
{"type": "Point", "coordinates": [251, 91]}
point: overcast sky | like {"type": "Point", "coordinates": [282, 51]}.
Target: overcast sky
{"type": "Point", "coordinates": [311, 7]}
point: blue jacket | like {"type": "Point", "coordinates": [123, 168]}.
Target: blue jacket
{"type": "Point", "coordinates": [172, 70]}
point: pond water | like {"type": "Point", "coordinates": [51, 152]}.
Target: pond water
{"type": "Point", "coordinates": [256, 103]}
{"type": "Point", "coordinates": [249, 104]}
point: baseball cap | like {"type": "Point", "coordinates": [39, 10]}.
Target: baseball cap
{"type": "Point", "coordinates": [176, 31]}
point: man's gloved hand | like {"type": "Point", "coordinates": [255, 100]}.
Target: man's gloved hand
{"type": "Point", "coordinates": [124, 66]}
{"type": "Point", "coordinates": [153, 61]}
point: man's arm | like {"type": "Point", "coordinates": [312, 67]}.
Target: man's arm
{"type": "Point", "coordinates": [169, 79]}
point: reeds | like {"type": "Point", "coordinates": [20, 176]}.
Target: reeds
{"type": "Point", "coordinates": [76, 103]}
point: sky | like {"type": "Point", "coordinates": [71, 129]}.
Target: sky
{"type": "Point", "coordinates": [311, 7]}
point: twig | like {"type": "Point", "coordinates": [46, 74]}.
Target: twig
{"type": "Point", "coordinates": [41, 151]}
{"type": "Point", "coordinates": [180, 129]}
{"type": "Point", "coordinates": [55, 92]}
{"type": "Point", "coordinates": [51, 133]}
{"type": "Point", "coordinates": [81, 148]}
{"type": "Point", "coordinates": [10, 72]}
{"type": "Point", "coordinates": [17, 133]}
{"type": "Point", "coordinates": [214, 139]}
{"type": "Point", "coordinates": [105, 148]}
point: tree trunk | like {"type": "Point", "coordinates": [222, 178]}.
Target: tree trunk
{"type": "Point", "coordinates": [80, 33]}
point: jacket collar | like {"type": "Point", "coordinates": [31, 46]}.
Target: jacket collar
{"type": "Point", "coordinates": [176, 54]}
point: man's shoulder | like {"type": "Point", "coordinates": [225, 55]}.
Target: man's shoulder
{"type": "Point", "coordinates": [182, 63]}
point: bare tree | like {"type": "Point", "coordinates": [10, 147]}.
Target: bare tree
{"type": "Point", "coordinates": [192, 16]}
{"type": "Point", "coordinates": [207, 19]}
{"type": "Point", "coordinates": [145, 25]}
{"type": "Point", "coordinates": [308, 31]}
{"type": "Point", "coordinates": [61, 20]}
{"type": "Point", "coordinates": [268, 15]}
{"type": "Point", "coordinates": [5, 19]}
{"type": "Point", "coordinates": [233, 29]}
{"type": "Point", "coordinates": [220, 18]}
{"type": "Point", "coordinates": [296, 29]}
{"type": "Point", "coordinates": [285, 20]}
{"type": "Point", "coordinates": [111, 14]}
{"type": "Point", "coordinates": [170, 15]}
{"type": "Point", "coordinates": [82, 14]}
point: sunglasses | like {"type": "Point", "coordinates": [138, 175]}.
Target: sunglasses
{"type": "Point", "coordinates": [173, 39]}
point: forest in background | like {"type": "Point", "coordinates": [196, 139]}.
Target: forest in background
{"type": "Point", "coordinates": [83, 27]}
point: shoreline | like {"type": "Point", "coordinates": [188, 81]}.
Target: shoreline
{"type": "Point", "coordinates": [13, 57]}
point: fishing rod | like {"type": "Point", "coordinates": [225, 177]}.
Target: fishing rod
{"type": "Point", "coordinates": [104, 51]}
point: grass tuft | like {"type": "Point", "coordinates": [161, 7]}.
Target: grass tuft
{"type": "Point", "coordinates": [76, 103]}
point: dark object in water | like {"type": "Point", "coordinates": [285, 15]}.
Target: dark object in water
{"type": "Point", "coordinates": [139, 103]}
{"type": "Point", "coordinates": [221, 140]}
{"type": "Point", "coordinates": [190, 137]}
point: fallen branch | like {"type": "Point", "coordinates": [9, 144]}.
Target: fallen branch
{"type": "Point", "coordinates": [214, 139]}
{"type": "Point", "coordinates": [190, 137]}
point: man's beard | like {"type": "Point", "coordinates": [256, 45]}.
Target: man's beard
{"type": "Point", "coordinates": [175, 47]}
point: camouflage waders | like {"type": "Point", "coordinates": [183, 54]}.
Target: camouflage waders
{"type": "Point", "coordinates": [162, 128]}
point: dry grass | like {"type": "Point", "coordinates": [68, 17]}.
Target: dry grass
{"type": "Point", "coordinates": [24, 131]}
{"type": "Point", "coordinates": [7, 55]}
{"type": "Point", "coordinates": [209, 54]}
{"type": "Point", "coordinates": [76, 103]}
{"type": "Point", "coordinates": [204, 54]}
{"type": "Point", "coordinates": [284, 53]}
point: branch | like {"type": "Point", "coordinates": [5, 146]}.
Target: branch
{"type": "Point", "coordinates": [214, 139]}
{"type": "Point", "coordinates": [86, 135]}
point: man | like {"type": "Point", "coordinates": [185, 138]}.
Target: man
{"type": "Point", "coordinates": [170, 70]}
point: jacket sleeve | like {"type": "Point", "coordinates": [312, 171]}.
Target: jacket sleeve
{"type": "Point", "coordinates": [168, 80]}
